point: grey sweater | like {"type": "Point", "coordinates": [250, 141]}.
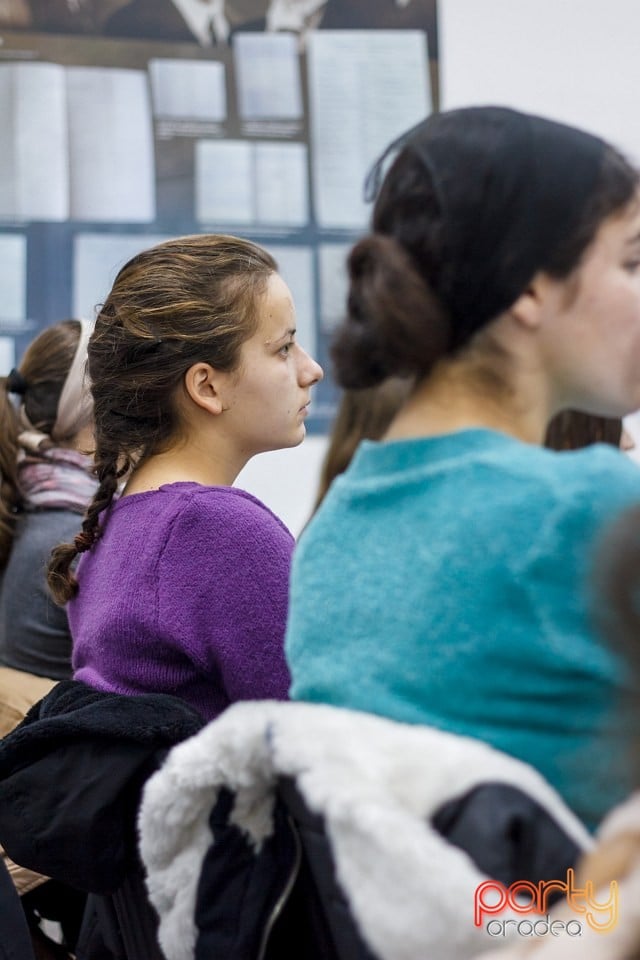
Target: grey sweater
{"type": "Point", "coordinates": [34, 632]}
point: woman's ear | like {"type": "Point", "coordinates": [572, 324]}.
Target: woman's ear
{"type": "Point", "coordinates": [203, 386]}
{"type": "Point", "coordinates": [529, 309]}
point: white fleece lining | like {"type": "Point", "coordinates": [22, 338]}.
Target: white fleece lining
{"type": "Point", "coordinates": [375, 782]}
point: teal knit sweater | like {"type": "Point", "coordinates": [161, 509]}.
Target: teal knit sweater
{"type": "Point", "coordinates": [445, 581]}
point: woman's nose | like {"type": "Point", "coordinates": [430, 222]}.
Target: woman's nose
{"type": "Point", "coordinates": [311, 371]}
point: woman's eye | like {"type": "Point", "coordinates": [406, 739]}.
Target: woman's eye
{"type": "Point", "coordinates": [632, 265]}
{"type": "Point", "coordinates": [283, 351]}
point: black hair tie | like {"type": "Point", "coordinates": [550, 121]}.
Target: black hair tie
{"type": "Point", "coordinates": [16, 383]}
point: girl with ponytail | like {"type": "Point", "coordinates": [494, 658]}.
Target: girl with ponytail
{"type": "Point", "coordinates": [442, 580]}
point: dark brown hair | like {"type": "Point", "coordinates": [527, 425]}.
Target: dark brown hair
{"type": "Point", "coordinates": [44, 368]}
{"type": "Point", "coordinates": [184, 301]}
{"type": "Point", "coordinates": [573, 429]}
{"type": "Point", "coordinates": [459, 229]}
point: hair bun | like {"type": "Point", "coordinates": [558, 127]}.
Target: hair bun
{"type": "Point", "coordinates": [16, 383]}
{"type": "Point", "coordinates": [395, 325]}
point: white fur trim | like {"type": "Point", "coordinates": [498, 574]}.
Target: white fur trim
{"type": "Point", "coordinates": [376, 782]}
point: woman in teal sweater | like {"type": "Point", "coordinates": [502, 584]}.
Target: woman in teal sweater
{"type": "Point", "coordinates": [444, 579]}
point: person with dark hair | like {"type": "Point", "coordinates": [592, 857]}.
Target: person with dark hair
{"type": "Point", "coordinates": [46, 436]}
{"type": "Point", "coordinates": [46, 482]}
{"type": "Point", "coordinates": [442, 581]}
{"type": "Point", "coordinates": [182, 584]}
{"type": "Point", "coordinates": [574, 429]}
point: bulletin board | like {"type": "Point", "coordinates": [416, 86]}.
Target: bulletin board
{"type": "Point", "coordinates": [111, 143]}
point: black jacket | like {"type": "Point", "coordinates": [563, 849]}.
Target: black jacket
{"type": "Point", "coordinates": [71, 775]}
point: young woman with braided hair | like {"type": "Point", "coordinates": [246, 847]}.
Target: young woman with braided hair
{"type": "Point", "coordinates": [502, 271]}
{"type": "Point", "coordinates": [182, 581]}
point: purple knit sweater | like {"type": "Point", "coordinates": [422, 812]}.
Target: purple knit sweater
{"type": "Point", "coordinates": [185, 593]}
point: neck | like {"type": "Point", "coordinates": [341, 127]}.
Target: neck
{"type": "Point", "coordinates": [182, 464]}
{"type": "Point", "coordinates": [452, 399]}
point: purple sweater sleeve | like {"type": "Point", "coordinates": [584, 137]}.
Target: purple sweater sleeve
{"type": "Point", "coordinates": [223, 591]}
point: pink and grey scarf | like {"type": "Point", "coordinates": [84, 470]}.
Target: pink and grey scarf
{"type": "Point", "coordinates": [56, 478]}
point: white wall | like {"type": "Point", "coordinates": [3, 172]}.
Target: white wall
{"type": "Point", "coordinates": [287, 480]}
{"type": "Point", "coordinates": [573, 60]}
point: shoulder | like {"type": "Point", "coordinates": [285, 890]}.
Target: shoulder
{"type": "Point", "coordinates": [562, 499]}
{"type": "Point", "coordinates": [232, 509]}
{"type": "Point", "coordinates": [225, 527]}
{"type": "Point", "coordinates": [596, 473]}
{"type": "Point", "coordinates": [223, 542]}
{"type": "Point", "coordinates": [554, 514]}
{"type": "Point", "coordinates": [540, 502]}
{"type": "Point", "coordinates": [599, 478]}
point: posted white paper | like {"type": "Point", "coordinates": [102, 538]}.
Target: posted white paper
{"type": "Point", "coordinates": [245, 182]}
{"type": "Point", "coordinates": [97, 257]}
{"type": "Point", "coordinates": [13, 278]}
{"type": "Point", "coordinates": [281, 184]}
{"type": "Point", "coordinates": [267, 69]}
{"type": "Point", "coordinates": [34, 161]}
{"type": "Point", "coordinates": [365, 87]}
{"type": "Point", "coordinates": [111, 145]}
{"type": "Point", "coordinates": [7, 354]}
{"type": "Point", "coordinates": [332, 259]}
{"type": "Point", "coordinates": [77, 143]}
{"type": "Point", "coordinates": [224, 181]}
{"type": "Point", "coordinates": [296, 269]}
{"type": "Point", "coordinates": [188, 89]}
